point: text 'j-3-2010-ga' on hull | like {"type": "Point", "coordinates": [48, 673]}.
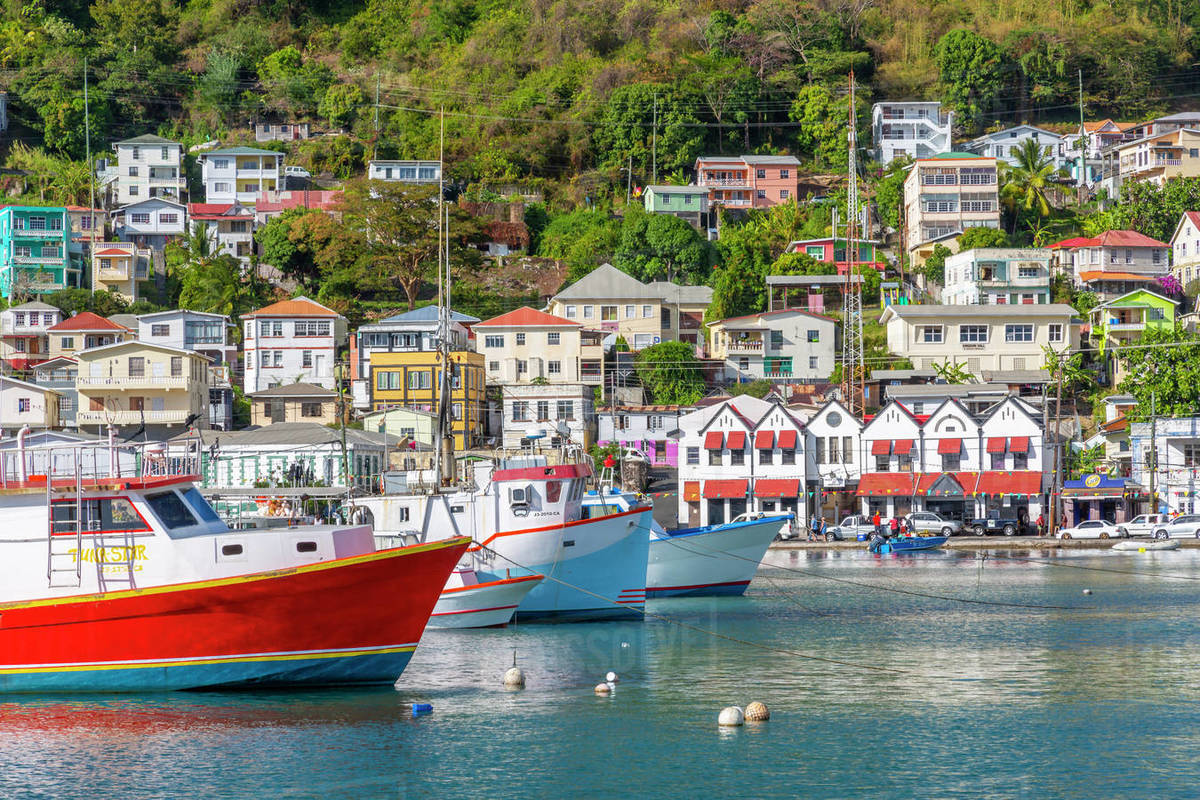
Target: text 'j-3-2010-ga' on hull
{"type": "Point", "coordinates": [116, 575]}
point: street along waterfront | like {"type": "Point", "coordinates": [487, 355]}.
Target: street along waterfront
{"type": "Point", "coordinates": [1009, 682]}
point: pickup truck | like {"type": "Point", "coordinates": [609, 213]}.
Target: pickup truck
{"type": "Point", "coordinates": [1009, 526]}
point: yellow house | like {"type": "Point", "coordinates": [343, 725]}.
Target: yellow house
{"type": "Point", "coordinates": [411, 379]}
{"type": "Point", "coordinates": [140, 383]}
{"type": "Point", "coordinates": [117, 267]}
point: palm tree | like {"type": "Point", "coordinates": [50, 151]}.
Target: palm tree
{"type": "Point", "coordinates": [1027, 182]}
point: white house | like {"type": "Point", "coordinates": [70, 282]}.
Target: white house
{"type": "Point", "coordinates": [1185, 248]}
{"type": "Point", "coordinates": [917, 129]}
{"type": "Point", "coordinates": [1004, 144]}
{"type": "Point", "coordinates": [404, 171]}
{"type": "Point", "coordinates": [239, 174]}
{"type": "Point", "coordinates": [228, 226]}
{"type": "Point", "coordinates": [208, 335]}
{"type": "Point", "coordinates": [650, 430]}
{"type": "Point", "coordinates": [149, 166]}
{"type": "Point", "coordinates": [280, 131]}
{"type": "Point", "coordinates": [26, 404]}
{"type": "Point", "coordinates": [151, 222]}
{"type": "Point", "coordinates": [1176, 445]}
{"type": "Point", "coordinates": [525, 345]}
{"type": "Point", "coordinates": [980, 337]}
{"type": "Point", "coordinates": [833, 463]}
{"type": "Point", "coordinates": [743, 454]}
{"type": "Point", "coordinates": [776, 345]}
{"type": "Point", "coordinates": [1115, 262]}
{"type": "Point", "coordinates": [290, 341]}
{"type": "Point", "coordinates": [551, 415]}
{"type": "Point", "coordinates": [997, 276]}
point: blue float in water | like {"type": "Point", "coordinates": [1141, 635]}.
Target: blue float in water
{"type": "Point", "coordinates": [421, 708]}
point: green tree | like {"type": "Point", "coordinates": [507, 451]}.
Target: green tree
{"type": "Point", "coordinates": [758, 388]}
{"type": "Point", "coordinates": [972, 75]}
{"type": "Point", "coordinates": [671, 373]}
{"type": "Point", "coordinates": [625, 130]}
{"type": "Point", "coordinates": [208, 281]}
{"type": "Point", "coordinates": [292, 84]}
{"type": "Point", "coordinates": [1163, 372]}
{"type": "Point", "coordinates": [981, 237]}
{"type": "Point", "coordinates": [953, 372]}
{"type": "Point", "coordinates": [889, 191]}
{"type": "Point", "coordinates": [584, 239]}
{"type": "Point", "coordinates": [739, 284]}
{"type": "Point", "coordinates": [1148, 209]}
{"type": "Point", "coordinates": [1075, 379]}
{"type": "Point", "coordinates": [934, 268]}
{"type": "Point", "coordinates": [822, 118]}
{"type": "Point", "coordinates": [340, 103]}
{"type": "Point", "coordinates": [1026, 183]}
{"type": "Point", "coordinates": [661, 247]}
{"type": "Point", "coordinates": [218, 86]}
{"type": "Point", "coordinates": [74, 301]}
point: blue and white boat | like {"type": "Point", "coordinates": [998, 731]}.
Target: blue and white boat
{"type": "Point", "coordinates": [906, 544]}
{"type": "Point", "coordinates": [705, 561]}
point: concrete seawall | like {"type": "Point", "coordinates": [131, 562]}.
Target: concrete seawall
{"type": "Point", "coordinates": [983, 543]}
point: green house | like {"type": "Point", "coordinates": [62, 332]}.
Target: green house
{"type": "Point", "coordinates": [1128, 316]}
{"type": "Point", "coordinates": [35, 250]}
{"type": "Point", "coordinates": [682, 201]}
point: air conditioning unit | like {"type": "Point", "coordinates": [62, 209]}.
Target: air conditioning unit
{"type": "Point", "coordinates": [519, 495]}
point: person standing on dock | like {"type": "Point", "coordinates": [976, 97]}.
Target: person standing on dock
{"type": "Point", "coordinates": [1041, 525]}
{"type": "Point", "coordinates": [876, 523]}
{"type": "Point", "coordinates": [814, 529]}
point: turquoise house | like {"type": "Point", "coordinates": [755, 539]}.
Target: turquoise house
{"type": "Point", "coordinates": [687, 202]}
{"type": "Point", "coordinates": [35, 250]}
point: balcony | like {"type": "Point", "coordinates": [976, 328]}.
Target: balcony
{"type": "Point", "coordinates": [30, 233]}
{"type": "Point", "coordinates": [131, 417]}
{"type": "Point", "coordinates": [748, 346]}
{"type": "Point", "coordinates": [113, 273]}
{"type": "Point", "coordinates": [56, 261]}
{"type": "Point", "coordinates": [128, 383]}
{"type": "Point", "coordinates": [777, 373]}
{"type": "Point", "coordinates": [734, 183]}
{"type": "Point", "coordinates": [173, 181]}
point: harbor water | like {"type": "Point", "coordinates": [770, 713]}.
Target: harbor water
{"type": "Point", "coordinates": [1009, 682]}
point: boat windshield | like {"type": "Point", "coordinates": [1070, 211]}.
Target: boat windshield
{"type": "Point", "coordinates": [200, 506]}
{"type": "Point", "coordinates": [171, 511]}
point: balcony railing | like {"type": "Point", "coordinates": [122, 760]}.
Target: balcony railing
{"type": "Point", "coordinates": [128, 382]}
{"type": "Point", "coordinates": [746, 347]}
{"type": "Point", "coordinates": [55, 260]}
{"type": "Point", "coordinates": [778, 373]}
{"type": "Point", "coordinates": [735, 182]}
{"type": "Point", "coordinates": [29, 233]}
{"type": "Point", "coordinates": [166, 180]}
{"type": "Point", "coordinates": [118, 274]}
{"type": "Point", "coordinates": [130, 417]}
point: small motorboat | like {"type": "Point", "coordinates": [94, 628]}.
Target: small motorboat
{"type": "Point", "coordinates": [1143, 546]}
{"type": "Point", "coordinates": [905, 544]}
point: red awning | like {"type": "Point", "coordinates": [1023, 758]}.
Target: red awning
{"type": "Point", "coordinates": [966, 480]}
{"type": "Point", "coordinates": [736, 440]}
{"type": "Point", "coordinates": [777, 487]}
{"type": "Point", "coordinates": [787, 440]}
{"type": "Point", "coordinates": [881, 447]}
{"type": "Point", "coordinates": [713, 440]}
{"type": "Point", "coordinates": [902, 447]}
{"type": "Point", "coordinates": [996, 444]}
{"type": "Point", "coordinates": [1018, 444]}
{"type": "Point", "coordinates": [691, 491]}
{"type": "Point", "coordinates": [1023, 482]}
{"type": "Point", "coordinates": [949, 447]}
{"type": "Point", "coordinates": [885, 483]}
{"type": "Point", "coordinates": [733, 489]}
{"type": "Point", "coordinates": [764, 440]}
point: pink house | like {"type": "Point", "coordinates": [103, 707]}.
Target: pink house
{"type": "Point", "coordinates": [833, 251]}
{"type": "Point", "coordinates": [748, 181]}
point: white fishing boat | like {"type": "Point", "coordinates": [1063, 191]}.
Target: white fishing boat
{"type": "Point", "coordinates": [468, 602]}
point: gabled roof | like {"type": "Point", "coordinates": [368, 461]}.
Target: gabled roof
{"type": "Point", "coordinates": [765, 315]}
{"type": "Point", "coordinates": [1101, 275]}
{"type": "Point", "coordinates": [1117, 300]}
{"type": "Point", "coordinates": [665, 189]}
{"type": "Point", "coordinates": [175, 311]}
{"type": "Point", "coordinates": [35, 305]}
{"type": "Point", "coordinates": [241, 151]}
{"type": "Point", "coordinates": [1072, 243]}
{"type": "Point", "coordinates": [148, 138]}
{"type": "Point", "coordinates": [427, 314]}
{"type": "Point", "coordinates": [315, 199]}
{"type": "Point", "coordinates": [151, 200]}
{"type": "Point", "coordinates": [216, 211]}
{"type": "Point", "coordinates": [115, 251]}
{"type": "Point", "coordinates": [296, 307]}
{"type": "Point", "coordinates": [1127, 239]}
{"type": "Point", "coordinates": [86, 321]}
{"type": "Point", "coordinates": [1189, 216]}
{"type": "Point", "coordinates": [1182, 116]}
{"type": "Point", "coordinates": [606, 282]}
{"type": "Point", "coordinates": [295, 390]}
{"type": "Point", "coordinates": [526, 316]}
{"type": "Point", "coordinates": [141, 345]}
{"type": "Point", "coordinates": [27, 384]}
{"type": "Point", "coordinates": [675, 293]}
{"type": "Point", "coordinates": [939, 312]}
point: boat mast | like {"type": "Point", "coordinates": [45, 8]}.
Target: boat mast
{"type": "Point", "coordinates": [444, 456]}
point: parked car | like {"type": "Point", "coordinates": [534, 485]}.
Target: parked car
{"type": "Point", "coordinates": [1144, 524]}
{"type": "Point", "coordinates": [295, 171]}
{"type": "Point", "coordinates": [929, 522]}
{"type": "Point", "coordinates": [856, 525]}
{"type": "Point", "coordinates": [1093, 529]}
{"type": "Point", "coordinates": [1181, 527]}
{"type": "Point", "coordinates": [1009, 526]}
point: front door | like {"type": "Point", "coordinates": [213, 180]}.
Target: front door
{"type": "Point", "coordinates": [319, 366]}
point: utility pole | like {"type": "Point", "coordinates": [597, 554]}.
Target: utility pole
{"type": "Point", "coordinates": [1056, 481]}
{"type": "Point", "coordinates": [852, 324]}
{"type": "Point", "coordinates": [654, 144]}
{"type": "Point", "coordinates": [1153, 452]}
{"type": "Point", "coordinates": [1079, 184]}
{"type": "Point", "coordinates": [375, 144]}
{"type": "Point", "coordinates": [87, 138]}
{"type": "Point", "coordinates": [629, 180]}
{"type": "Point", "coordinates": [340, 372]}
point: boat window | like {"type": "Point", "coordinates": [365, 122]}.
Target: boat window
{"type": "Point", "coordinates": [100, 515]}
{"type": "Point", "coordinates": [553, 491]}
{"type": "Point", "coordinates": [200, 506]}
{"type": "Point", "coordinates": [170, 510]}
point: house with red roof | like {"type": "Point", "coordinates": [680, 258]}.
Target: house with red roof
{"type": "Point", "coordinates": [525, 345]}
{"type": "Point", "coordinates": [83, 331]}
{"type": "Point", "coordinates": [1115, 262]}
{"type": "Point", "coordinates": [118, 266]}
{"type": "Point", "coordinates": [787, 345]}
{"type": "Point", "coordinates": [24, 341]}
{"type": "Point", "coordinates": [229, 227]}
{"type": "Point", "coordinates": [1185, 248]}
{"type": "Point", "coordinates": [289, 341]}
{"type": "Point", "coordinates": [271, 204]}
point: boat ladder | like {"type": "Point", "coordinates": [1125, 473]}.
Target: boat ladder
{"type": "Point", "coordinates": [114, 560]}
{"type": "Point", "coordinates": [64, 536]}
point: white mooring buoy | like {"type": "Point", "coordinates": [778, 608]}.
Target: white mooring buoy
{"type": "Point", "coordinates": [611, 677]}
{"type": "Point", "coordinates": [514, 678]}
{"type": "Point", "coordinates": [731, 717]}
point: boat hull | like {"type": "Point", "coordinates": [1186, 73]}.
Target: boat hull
{"type": "Point", "coordinates": [909, 544]}
{"type": "Point", "coordinates": [348, 621]}
{"type": "Point", "coordinates": [598, 571]}
{"type": "Point", "coordinates": [714, 560]}
{"type": "Point", "coordinates": [482, 605]}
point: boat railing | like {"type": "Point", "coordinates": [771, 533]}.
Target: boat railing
{"type": "Point", "coordinates": [30, 466]}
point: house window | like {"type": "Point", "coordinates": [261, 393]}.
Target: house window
{"type": "Point", "coordinates": [693, 456]}
{"type": "Point", "coordinates": [306, 359]}
{"type": "Point", "coordinates": [137, 404]}
{"type": "Point", "coordinates": [493, 366]}
{"type": "Point", "coordinates": [847, 449]}
{"type": "Point", "coordinates": [784, 194]}
{"type": "Point", "coordinates": [160, 330]}
{"type": "Point", "coordinates": [1018, 333]}
{"type": "Point", "coordinates": [553, 338]}
{"type": "Point", "coordinates": [68, 343]}
{"type": "Point", "coordinates": [1056, 331]}
{"type": "Point", "coordinates": [819, 450]}
{"type": "Point", "coordinates": [570, 312]}
{"type": "Point", "coordinates": [743, 364]}
{"type": "Point", "coordinates": [23, 251]}
{"type": "Point", "coordinates": [765, 456]}
{"type": "Point", "coordinates": [139, 218]}
{"type": "Point", "coordinates": [630, 312]}
{"type": "Point", "coordinates": [220, 188]}
{"type": "Point", "coordinates": [176, 366]}
{"type": "Point", "coordinates": [760, 173]}
{"type": "Point", "coordinates": [737, 458]}
{"type": "Point", "coordinates": [419, 379]}
{"type": "Point", "coordinates": [787, 456]}
{"type": "Point", "coordinates": [23, 405]}
{"type": "Point", "coordinates": [51, 252]}
{"type": "Point", "coordinates": [776, 339]}
{"type": "Point", "coordinates": [543, 410]}
{"type": "Point", "coordinates": [311, 329]}
{"type": "Point", "coordinates": [905, 463]}
{"type": "Point", "coordinates": [998, 460]}
{"type": "Point", "coordinates": [951, 462]}
{"type": "Point", "coordinates": [588, 312]}
{"type": "Point", "coordinates": [520, 340]}
{"type": "Point", "coordinates": [134, 191]}
{"type": "Point", "coordinates": [973, 334]}
{"type": "Point", "coordinates": [456, 411]}
{"type": "Point", "coordinates": [930, 334]}
{"type": "Point", "coordinates": [881, 463]}
{"type": "Point", "coordinates": [137, 367]}
{"type": "Point", "coordinates": [270, 328]}
{"type": "Point", "coordinates": [221, 163]}
{"type": "Point", "coordinates": [133, 172]}
{"type": "Point", "coordinates": [761, 194]}
{"type": "Point", "coordinates": [785, 174]}
{"type": "Point", "coordinates": [554, 367]}
{"type": "Point", "coordinates": [310, 409]}
{"type": "Point", "coordinates": [493, 341]}
{"type": "Point", "coordinates": [814, 336]}
{"type": "Point", "coordinates": [1020, 461]}
{"type": "Point", "coordinates": [812, 362]}
{"type": "Point", "coordinates": [647, 312]}
{"type": "Point", "coordinates": [714, 458]}
{"type": "Point", "coordinates": [1191, 455]}
{"type": "Point", "coordinates": [1027, 271]}
{"type": "Point", "coordinates": [608, 313]}
{"type": "Point", "coordinates": [566, 409]}
{"type": "Point", "coordinates": [522, 367]}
